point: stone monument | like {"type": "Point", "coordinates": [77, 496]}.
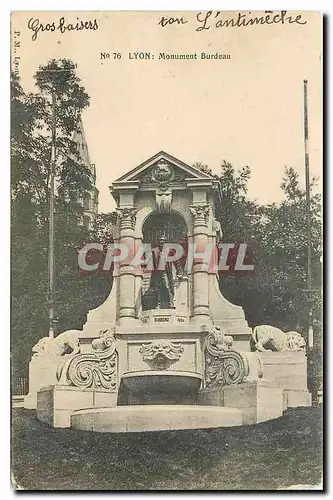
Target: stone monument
{"type": "Point", "coordinates": [166, 350]}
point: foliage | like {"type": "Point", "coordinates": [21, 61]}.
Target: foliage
{"type": "Point", "coordinates": [31, 138]}
{"type": "Point", "coordinates": [275, 292]}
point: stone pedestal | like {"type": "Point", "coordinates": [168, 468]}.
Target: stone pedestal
{"type": "Point", "coordinates": [288, 370]}
{"type": "Point", "coordinates": [56, 403]}
{"type": "Point", "coordinates": [42, 372]}
{"type": "Point", "coordinates": [259, 401]}
{"type": "Point", "coordinates": [297, 397]}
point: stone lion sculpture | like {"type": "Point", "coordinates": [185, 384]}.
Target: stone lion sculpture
{"type": "Point", "coordinates": [65, 343]}
{"type": "Point", "coordinates": [269, 338]}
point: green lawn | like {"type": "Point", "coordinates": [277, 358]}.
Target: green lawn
{"type": "Point", "coordinates": [271, 455]}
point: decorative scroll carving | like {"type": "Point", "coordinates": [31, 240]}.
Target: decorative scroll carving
{"type": "Point", "coordinates": [200, 213]}
{"type": "Point", "coordinates": [179, 177]}
{"type": "Point", "coordinates": [97, 370]}
{"type": "Point", "coordinates": [148, 177]}
{"type": "Point", "coordinates": [269, 338]}
{"type": "Point", "coordinates": [127, 217]}
{"type": "Point", "coordinates": [222, 365]}
{"type": "Point", "coordinates": [161, 354]}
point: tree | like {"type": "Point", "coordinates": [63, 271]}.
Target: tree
{"type": "Point", "coordinates": [30, 157]}
{"type": "Point", "coordinates": [284, 236]}
{"type": "Point", "coordinates": [275, 293]}
{"type": "Point", "coordinates": [81, 292]}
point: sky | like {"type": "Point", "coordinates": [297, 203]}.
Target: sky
{"type": "Point", "coordinates": [247, 109]}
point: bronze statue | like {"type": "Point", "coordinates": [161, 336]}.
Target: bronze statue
{"type": "Point", "coordinates": [160, 294]}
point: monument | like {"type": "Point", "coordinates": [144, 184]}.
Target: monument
{"type": "Point", "coordinates": [166, 350]}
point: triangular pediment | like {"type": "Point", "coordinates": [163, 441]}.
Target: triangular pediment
{"type": "Point", "coordinates": [159, 165]}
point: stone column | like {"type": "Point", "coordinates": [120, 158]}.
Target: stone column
{"type": "Point", "coordinates": [200, 292]}
{"type": "Point", "coordinates": [126, 279]}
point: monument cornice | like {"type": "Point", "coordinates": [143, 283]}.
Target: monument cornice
{"type": "Point", "coordinates": [126, 185]}
{"type": "Point", "coordinates": [199, 183]}
{"type": "Point", "coordinates": [123, 187]}
{"type": "Point", "coordinates": [174, 187]}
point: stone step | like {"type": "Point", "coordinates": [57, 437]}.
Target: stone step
{"type": "Point", "coordinates": [18, 401]}
{"type": "Point", "coordinates": [145, 418]}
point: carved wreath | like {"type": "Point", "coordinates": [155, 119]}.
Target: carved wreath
{"type": "Point", "coordinates": [163, 172]}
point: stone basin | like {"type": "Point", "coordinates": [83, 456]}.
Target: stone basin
{"type": "Point", "coordinates": [154, 418]}
{"type": "Point", "coordinates": [161, 387]}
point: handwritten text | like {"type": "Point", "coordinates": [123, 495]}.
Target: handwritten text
{"type": "Point", "coordinates": [36, 26]}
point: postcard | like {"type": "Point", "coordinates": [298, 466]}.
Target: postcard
{"type": "Point", "coordinates": [166, 250]}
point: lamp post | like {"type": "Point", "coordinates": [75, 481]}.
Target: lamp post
{"type": "Point", "coordinates": [51, 260]}
{"type": "Point", "coordinates": [309, 246]}
{"type": "Point", "coordinates": [308, 216]}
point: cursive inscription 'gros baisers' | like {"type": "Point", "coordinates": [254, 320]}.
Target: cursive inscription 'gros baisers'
{"type": "Point", "coordinates": [36, 26]}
